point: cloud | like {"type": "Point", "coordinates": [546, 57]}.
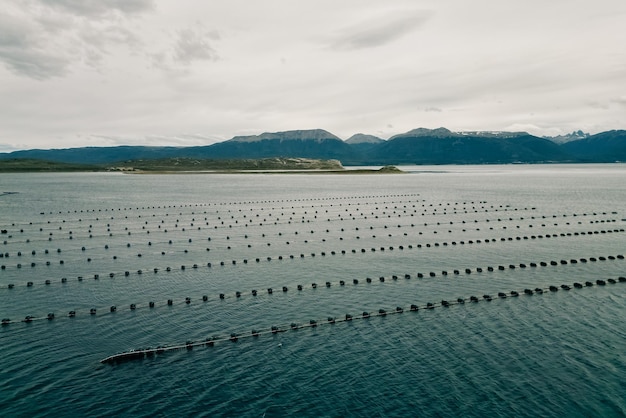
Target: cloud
{"type": "Point", "coordinates": [100, 8]}
{"type": "Point", "coordinates": [620, 100]}
{"type": "Point", "coordinates": [193, 44]}
{"type": "Point", "coordinates": [432, 109]}
{"type": "Point", "coordinates": [25, 51]}
{"type": "Point", "coordinates": [189, 45]}
{"type": "Point", "coordinates": [43, 39]}
{"type": "Point", "coordinates": [379, 31]}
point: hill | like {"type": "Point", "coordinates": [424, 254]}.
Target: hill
{"type": "Point", "coordinates": [441, 146]}
{"type": "Point", "coordinates": [418, 146]}
{"type": "Point", "coordinates": [605, 147]}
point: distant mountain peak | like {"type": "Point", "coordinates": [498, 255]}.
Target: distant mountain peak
{"type": "Point", "coordinates": [300, 135]}
{"type": "Point", "coordinates": [363, 139]}
{"type": "Point", "coordinates": [425, 132]}
{"type": "Point", "coordinates": [495, 134]}
{"type": "Point", "coordinates": [574, 136]}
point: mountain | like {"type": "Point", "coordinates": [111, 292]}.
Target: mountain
{"type": "Point", "coordinates": [316, 143]}
{"type": "Point", "coordinates": [359, 139]}
{"type": "Point", "coordinates": [418, 146]}
{"type": "Point", "coordinates": [361, 144]}
{"type": "Point", "coordinates": [607, 147]}
{"type": "Point", "coordinates": [93, 155]}
{"type": "Point", "coordinates": [574, 136]}
{"type": "Point", "coordinates": [441, 146]}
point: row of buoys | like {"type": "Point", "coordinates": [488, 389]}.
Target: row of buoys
{"type": "Point", "coordinates": [420, 275]}
{"type": "Point", "coordinates": [100, 210]}
{"type": "Point", "coordinates": [382, 279]}
{"type": "Point", "coordinates": [463, 222]}
{"type": "Point", "coordinates": [371, 204]}
{"type": "Point", "coordinates": [525, 237]}
{"type": "Point", "coordinates": [373, 249]}
{"type": "Point", "coordinates": [361, 215]}
{"type": "Point", "coordinates": [313, 323]}
{"type": "Point", "coordinates": [518, 238]}
{"type": "Point", "coordinates": [532, 217]}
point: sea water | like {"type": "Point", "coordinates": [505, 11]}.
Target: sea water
{"type": "Point", "coordinates": [76, 242]}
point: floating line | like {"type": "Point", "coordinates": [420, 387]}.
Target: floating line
{"type": "Point", "coordinates": [234, 337]}
{"type": "Point", "coordinates": [314, 285]}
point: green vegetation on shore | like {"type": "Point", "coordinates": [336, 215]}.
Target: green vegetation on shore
{"type": "Point", "coordinates": [192, 165]}
{"type": "Point", "coordinates": [24, 165]}
{"type": "Point", "coordinates": [200, 164]}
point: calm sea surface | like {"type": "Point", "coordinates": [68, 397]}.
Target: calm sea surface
{"type": "Point", "coordinates": [77, 242]}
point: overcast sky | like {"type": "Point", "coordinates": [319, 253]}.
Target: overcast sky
{"type": "Point", "coordinates": [194, 72]}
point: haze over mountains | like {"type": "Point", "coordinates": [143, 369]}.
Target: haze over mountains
{"type": "Point", "coordinates": [418, 146]}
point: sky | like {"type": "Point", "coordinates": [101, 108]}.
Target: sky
{"type": "Point", "coordinates": [79, 73]}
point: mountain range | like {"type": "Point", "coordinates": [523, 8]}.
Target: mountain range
{"type": "Point", "coordinates": [418, 146]}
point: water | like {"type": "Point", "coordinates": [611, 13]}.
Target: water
{"type": "Point", "coordinates": [556, 354]}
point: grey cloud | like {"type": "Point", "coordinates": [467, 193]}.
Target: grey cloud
{"type": "Point", "coordinates": [43, 42]}
{"type": "Point", "coordinates": [34, 63]}
{"type": "Point", "coordinates": [598, 105]}
{"type": "Point", "coordinates": [620, 100]}
{"type": "Point", "coordinates": [24, 51]}
{"type": "Point", "coordinates": [98, 8]}
{"type": "Point", "coordinates": [193, 44]}
{"type": "Point", "coordinates": [374, 33]}
{"type": "Point", "coordinates": [98, 40]}
{"type": "Point", "coordinates": [432, 109]}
